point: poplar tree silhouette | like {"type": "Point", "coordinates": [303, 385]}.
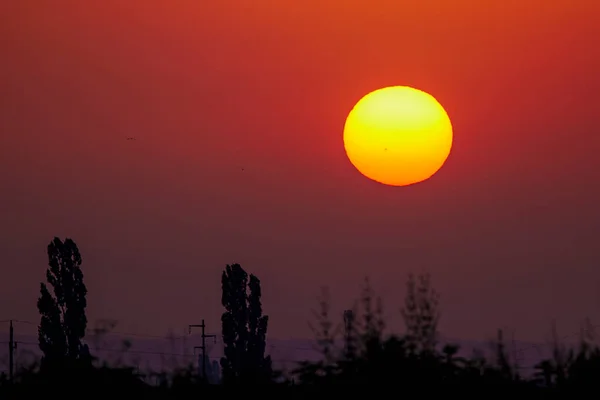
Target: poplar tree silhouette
{"type": "Point", "coordinates": [63, 320]}
{"type": "Point", "coordinates": [244, 329]}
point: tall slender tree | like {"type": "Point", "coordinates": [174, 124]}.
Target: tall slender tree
{"type": "Point", "coordinates": [63, 320]}
{"type": "Point", "coordinates": [257, 331]}
{"type": "Point", "coordinates": [421, 314]}
{"type": "Point", "coordinates": [244, 328]}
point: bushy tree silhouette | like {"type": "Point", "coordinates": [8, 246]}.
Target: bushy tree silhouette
{"type": "Point", "coordinates": [63, 319]}
{"type": "Point", "coordinates": [244, 329]}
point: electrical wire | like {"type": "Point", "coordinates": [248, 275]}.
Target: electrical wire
{"type": "Point", "coordinates": [218, 339]}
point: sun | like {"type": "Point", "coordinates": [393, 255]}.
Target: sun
{"type": "Point", "coordinates": [398, 136]}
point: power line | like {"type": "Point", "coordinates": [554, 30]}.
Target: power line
{"type": "Point", "coordinates": [144, 335]}
{"type": "Point", "coordinates": [97, 331]}
{"type": "Point", "coordinates": [148, 352]}
{"type": "Point", "coordinates": [190, 356]}
{"type": "Point", "coordinates": [590, 327]}
{"type": "Point", "coordinates": [19, 321]}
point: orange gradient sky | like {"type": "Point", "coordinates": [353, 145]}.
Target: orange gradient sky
{"type": "Point", "coordinates": [508, 227]}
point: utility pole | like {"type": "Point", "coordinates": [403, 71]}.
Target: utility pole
{"type": "Point", "coordinates": [516, 354]}
{"type": "Point", "coordinates": [12, 345]}
{"type": "Point", "coordinates": [203, 347]}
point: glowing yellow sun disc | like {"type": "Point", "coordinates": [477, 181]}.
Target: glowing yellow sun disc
{"type": "Point", "coordinates": [398, 136]}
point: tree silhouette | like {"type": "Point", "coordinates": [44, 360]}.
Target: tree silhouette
{"type": "Point", "coordinates": [63, 321]}
{"type": "Point", "coordinates": [324, 370]}
{"type": "Point", "coordinates": [372, 319]}
{"type": "Point", "coordinates": [421, 314]}
{"type": "Point", "coordinates": [244, 329]}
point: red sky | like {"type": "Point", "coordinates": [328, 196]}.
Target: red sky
{"type": "Point", "coordinates": [507, 228]}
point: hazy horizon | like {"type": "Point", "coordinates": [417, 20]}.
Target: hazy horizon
{"type": "Point", "coordinates": [156, 353]}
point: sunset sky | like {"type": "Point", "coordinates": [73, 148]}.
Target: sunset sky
{"type": "Point", "coordinates": [508, 228]}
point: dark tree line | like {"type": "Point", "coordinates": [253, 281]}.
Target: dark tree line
{"type": "Point", "coordinates": [355, 350]}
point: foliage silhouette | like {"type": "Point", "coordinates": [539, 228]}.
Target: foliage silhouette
{"type": "Point", "coordinates": [63, 320]}
{"type": "Point", "coordinates": [416, 361]}
{"type": "Point", "coordinates": [356, 351]}
{"type": "Point", "coordinates": [325, 334]}
{"type": "Point", "coordinates": [244, 329]}
{"type": "Point", "coordinates": [420, 313]}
